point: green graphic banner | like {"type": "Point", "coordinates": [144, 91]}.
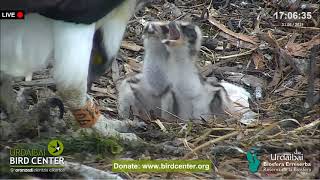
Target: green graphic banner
{"type": "Point", "coordinates": [161, 166]}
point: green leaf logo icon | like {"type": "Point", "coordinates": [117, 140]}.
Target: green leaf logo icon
{"type": "Point", "coordinates": [253, 160]}
{"type": "Point", "coordinates": [55, 147]}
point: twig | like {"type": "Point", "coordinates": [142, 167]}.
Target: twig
{"type": "Point", "coordinates": [308, 126]}
{"type": "Point", "coordinates": [206, 134]}
{"type": "Point", "coordinates": [280, 99]}
{"type": "Point", "coordinates": [250, 39]}
{"type": "Point", "coordinates": [202, 137]}
{"type": "Point", "coordinates": [89, 172]}
{"type": "Point", "coordinates": [237, 55]}
{"type": "Point", "coordinates": [206, 144]}
{"type": "Point", "coordinates": [39, 82]}
{"type": "Point", "coordinates": [310, 97]}
{"type": "Point", "coordinates": [171, 114]}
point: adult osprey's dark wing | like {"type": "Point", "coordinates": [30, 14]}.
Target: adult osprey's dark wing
{"type": "Point", "coordinates": [77, 11]}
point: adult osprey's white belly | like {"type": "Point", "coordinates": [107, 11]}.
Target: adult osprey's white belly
{"type": "Point", "coordinates": [25, 45]}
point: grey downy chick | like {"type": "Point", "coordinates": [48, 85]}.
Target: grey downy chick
{"type": "Point", "coordinates": [141, 95]}
{"type": "Point", "coordinates": [195, 97]}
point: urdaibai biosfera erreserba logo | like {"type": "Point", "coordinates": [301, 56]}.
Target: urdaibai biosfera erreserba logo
{"type": "Point", "coordinates": [55, 147]}
{"type": "Point", "coordinates": [253, 160]}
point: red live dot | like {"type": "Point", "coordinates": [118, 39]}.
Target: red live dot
{"type": "Point", "coordinates": [19, 14]}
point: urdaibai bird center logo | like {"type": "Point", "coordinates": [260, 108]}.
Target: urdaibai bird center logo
{"type": "Point", "coordinates": [55, 147]}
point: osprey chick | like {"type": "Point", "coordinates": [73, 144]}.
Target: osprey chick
{"type": "Point", "coordinates": [169, 84]}
{"type": "Point", "coordinates": [170, 80]}
{"type": "Point", "coordinates": [141, 95]}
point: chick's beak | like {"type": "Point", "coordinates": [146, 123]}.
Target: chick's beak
{"type": "Point", "coordinates": [174, 33]}
{"type": "Point", "coordinates": [174, 36]}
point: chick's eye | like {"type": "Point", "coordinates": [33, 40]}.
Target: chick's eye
{"type": "Point", "coordinates": [190, 32]}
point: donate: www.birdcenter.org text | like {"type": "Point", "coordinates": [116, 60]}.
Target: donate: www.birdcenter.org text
{"type": "Point", "coordinates": [161, 166]}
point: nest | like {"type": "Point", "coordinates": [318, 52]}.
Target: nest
{"type": "Point", "coordinates": [245, 44]}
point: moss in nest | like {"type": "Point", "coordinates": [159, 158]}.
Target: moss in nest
{"type": "Point", "coordinates": [93, 144]}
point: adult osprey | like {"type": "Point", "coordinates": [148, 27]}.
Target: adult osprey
{"type": "Point", "coordinates": [64, 28]}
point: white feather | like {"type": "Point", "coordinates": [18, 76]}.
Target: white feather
{"type": "Point", "coordinates": [25, 45]}
{"type": "Point", "coordinates": [72, 48]}
{"type": "Point", "coordinates": [114, 26]}
{"type": "Point", "coordinates": [238, 95]}
{"type": "Point", "coordinates": [239, 104]}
